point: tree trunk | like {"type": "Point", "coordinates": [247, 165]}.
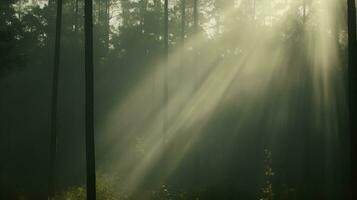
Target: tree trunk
{"type": "Point", "coordinates": [304, 11]}
{"type": "Point", "coordinates": [166, 54]}
{"type": "Point", "coordinates": [352, 89]}
{"type": "Point", "coordinates": [107, 26]}
{"type": "Point", "coordinates": [183, 31]}
{"type": "Point", "coordinates": [195, 16]}
{"type": "Point", "coordinates": [89, 101]}
{"type": "Point", "coordinates": [143, 12]}
{"type": "Point", "coordinates": [76, 17]}
{"type": "Point", "coordinates": [125, 12]}
{"type": "Point", "coordinates": [54, 103]}
{"type": "Point", "coordinates": [195, 32]}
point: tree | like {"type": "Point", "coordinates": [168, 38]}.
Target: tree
{"type": "Point", "coordinates": [11, 55]}
{"type": "Point", "coordinates": [352, 89]}
{"type": "Point", "coordinates": [195, 16]}
{"type": "Point", "coordinates": [125, 6]}
{"type": "Point", "coordinates": [183, 31]}
{"type": "Point", "coordinates": [89, 100]}
{"type": "Point", "coordinates": [106, 25]}
{"type": "Point", "coordinates": [195, 31]}
{"type": "Point", "coordinates": [54, 101]}
{"type": "Point", "coordinates": [76, 16]}
{"type": "Point", "coordinates": [166, 54]}
{"type": "Point", "coordinates": [304, 11]}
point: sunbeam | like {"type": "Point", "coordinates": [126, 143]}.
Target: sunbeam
{"type": "Point", "coordinates": [177, 99]}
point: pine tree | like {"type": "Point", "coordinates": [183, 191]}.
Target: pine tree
{"type": "Point", "coordinates": [89, 101]}
{"type": "Point", "coordinates": [352, 76]}
{"type": "Point", "coordinates": [54, 104]}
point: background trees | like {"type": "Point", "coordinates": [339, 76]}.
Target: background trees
{"type": "Point", "coordinates": [238, 77]}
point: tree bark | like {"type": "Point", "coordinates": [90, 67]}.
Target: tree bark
{"type": "Point", "coordinates": [166, 54]}
{"type": "Point", "coordinates": [125, 12]}
{"type": "Point", "coordinates": [183, 32]}
{"type": "Point", "coordinates": [352, 89]}
{"type": "Point", "coordinates": [89, 101]}
{"type": "Point", "coordinates": [304, 11]}
{"type": "Point", "coordinates": [107, 26]}
{"type": "Point", "coordinates": [195, 16]}
{"type": "Point", "coordinates": [76, 17]}
{"type": "Point", "coordinates": [54, 99]}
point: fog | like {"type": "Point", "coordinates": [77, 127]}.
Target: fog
{"type": "Point", "coordinates": [251, 103]}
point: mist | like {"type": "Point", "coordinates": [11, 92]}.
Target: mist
{"type": "Point", "coordinates": [234, 99]}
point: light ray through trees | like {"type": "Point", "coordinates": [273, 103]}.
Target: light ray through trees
{"type": "Point", "coordinates": [262, 67]}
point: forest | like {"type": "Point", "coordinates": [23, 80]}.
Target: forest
{"type": "Point", "coordinates": [178, 100]}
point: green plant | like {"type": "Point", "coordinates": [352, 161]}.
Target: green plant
{"type": "Point", "coordinates": [267, 190]}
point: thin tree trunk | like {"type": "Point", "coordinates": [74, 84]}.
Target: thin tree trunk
{"type": "Point", "coordinates": [304, 11]}
{"type": "Point", "coordinates": [196, 154]}
{"type": "Point", "coordinates": [99, 17]}
{"type": "Point", "coordinates": [125, 12]}
{"type": "Point", "coordinates": [166, 54]}
{"type": "Point", "coordinates": [254, 10]}
{"type": "Point", "coordinates": [195, 31]}
{"type": "Point", "coordinates": [20, 9]}
{"type": "Point", "coordinates": [352, 76]}
{"type": "Point", "coordinates": [76, 17]}
{"type": "Point", "coordinates": [54, 101]}
{"type": "Point", "coordinates": [89, 101]}
{"type": "Point", "coordinates": [51, 25]}
{"type": "Point", "coordinates": [107, 18]}
{"type": "Point", "coordinates": [195, 16]}
{"type": "Point", "coordinates": [183, 31]}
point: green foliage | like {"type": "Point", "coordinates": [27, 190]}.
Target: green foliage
{"type": "Point", "coordinates": [75, 193]}
{"type": "Point", "coordinates": [10, 34]}
{"type": "Point", "coordinates": [267, 190]}
{"type": "Point", "coordinates": [105, 191]}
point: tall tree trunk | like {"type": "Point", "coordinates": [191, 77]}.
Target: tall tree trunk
{"type": "Point", "coordinates": [195, 16]}
{"type": "Point", "coordinates": [89, 101]}
{"type": "Point", "coordinates": [352, 76]}
{"type": "Point", "coordinates": [125, 6]}
{"type": "Point", "coordinates": [54, 103]}
{"type": "Point", "coordinates": [183, 31]}
{"type": "Point", "coordinates": [107, 26]}
{"type": "Point", "coordinates": [196, 153]}
{"type": "Point", "coordinates": [166, 54]}
{"type": "Point", "coordinates": [51, 25]}
{"type": "Point", "coordinates": [76, 16]}
{"type": "Point", "coordinates": [195, 31]}
{"type": "Point", "coordinates": [254, 10]}
{"type": "Point", "coordinates": [99, 17]}
{"type": "Point", "coordinates": [183, 21]}
{"type": "Point", "coordinates": [143, 12]}
{"type": "Point", "coordinates": [304, 11]}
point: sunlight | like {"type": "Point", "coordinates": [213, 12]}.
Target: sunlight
{"type": "Point", "coordinates": [243, 81]}
{"type": "Point", "coordinates": [177, 99]}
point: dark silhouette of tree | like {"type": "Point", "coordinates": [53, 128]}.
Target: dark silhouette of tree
{"type": "Point", "coordinates": [183, 31]}
{"type": "Point", "coordinates": [54, 101]}
{"type": "Point", "coordinates": [89, 101]}
{"type": "Point", "coordinates": [352, 76]}
{"type": "Point", "coordinates": [195, 32]}
{"type": "Point", "coordinates": [76, 16]}
{"type": "Point", "coordinates": [10, 52]}
{"type": "Point", "coordinates": [195, 16]}
{"type": "Point", "coordinates": [165, 58]}
{"type": "Point", "coordinates": [125, 6]}
{"type": "Point", "coordinates": [106, 25]}
{"type": "Point", "coordinates": [143, 32]}
{"type": "Point", "coordinates": [304, 11]}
